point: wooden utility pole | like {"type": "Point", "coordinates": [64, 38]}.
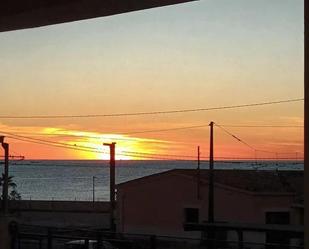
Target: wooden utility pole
{"type": "Point", "coordinates": [211, 176]}
{"type": "Point", "coordinates": [112, 185]}
{"type": "Point", "coordinates": [198, 174]}
{"type": "Point", "coordinates": [5, 188]}
{"type": "Point", "coordinates": [211, 232]}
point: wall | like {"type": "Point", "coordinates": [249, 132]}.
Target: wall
{"type": "Point", "coordinates": [62, 213]}
{"type": "Point", "coordinates": [156, 205]}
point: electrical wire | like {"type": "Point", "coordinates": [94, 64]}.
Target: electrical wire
{"type": "Point", "coordinates": [71, 135]}
{"type": "Point", "coordinates": [51, 142]}
{"type": "Point", "coordinates": [155, 130]}
{"type": "Point", "coordinates": [153, 112]}
{"type": "Point", "coordinates": [170, 129]}
{"type": "Point", "coordinates": [141, 155]}
{"type": "Point", "coordinates": [153, 156]}
{"type": "Point", "coordinates": [248, 145]}
{"type": "Point", "coordinates": [55, 145]}
{"type": "Point", "coordinates": [93, 150]}
{"type": "Point", "coordinates": [263, 126]}
{"type": "Point", "coordinates": [235, 137]}
{"type": "Point", "coordinates": [164, 155]}
{"type": "Point", "coordinates": [260, 158]}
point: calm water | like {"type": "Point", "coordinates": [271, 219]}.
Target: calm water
{"type": "Point", "coordinates": [73, 180]}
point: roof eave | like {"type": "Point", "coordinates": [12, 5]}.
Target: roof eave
{"type": "Point", "coordinates": [15, 15]}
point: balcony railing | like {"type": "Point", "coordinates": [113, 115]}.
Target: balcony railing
{"type": "Point", "coordinates": [36, 237]}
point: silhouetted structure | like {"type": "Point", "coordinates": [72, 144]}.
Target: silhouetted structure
{"type": "Point", "coordinates": [112, 180]}
{"type": "Point", "coordinates": [162, 203]}
{"type": "Point", "coordinates": [15, 14]}
{"type": "Point", "coordinates": [5, 187]}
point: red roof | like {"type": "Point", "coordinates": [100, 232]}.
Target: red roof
{"type": "Point", "coordinates": [284, 181]}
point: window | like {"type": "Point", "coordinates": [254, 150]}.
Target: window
{"type": "Point", "coordinates": [278, 218]}
{"type": "Point", "coordinates": [191, 215]}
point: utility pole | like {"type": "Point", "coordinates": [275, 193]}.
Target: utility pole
{"type": "Point", "coordinates": [211, 232]}
{"type": "Point", "coordinates": [211, 177]}
{"type": "Point", "coordinates": [112, 185]}
{"type": "Point", "coordinates": [5, 189]}
{"type": "Point", "coordinates": [198, 174]}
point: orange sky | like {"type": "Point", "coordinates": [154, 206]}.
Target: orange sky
{"type": "Point", "coordinates": [197, 55]}
{"type": "Point", "coordinates": [286, 141]}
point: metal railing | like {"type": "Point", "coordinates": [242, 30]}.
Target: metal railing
{"type": "Point", "coordinates": [37, 237]}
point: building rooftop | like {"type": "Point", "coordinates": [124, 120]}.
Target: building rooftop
{"type": "Point", "coordinates": [290, 181]}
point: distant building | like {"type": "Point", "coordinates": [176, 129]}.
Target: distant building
{"type": "Point", "coordinates": [161, 203]}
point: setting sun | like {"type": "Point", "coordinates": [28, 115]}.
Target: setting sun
{"type": "Point", "coordinates": [81, 144]}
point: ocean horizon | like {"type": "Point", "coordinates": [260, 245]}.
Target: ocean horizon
{"type": "Point", "coordinates": [75, 180]}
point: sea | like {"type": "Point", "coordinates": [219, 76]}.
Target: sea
{"type": "Point", "coordinates": [88, 180]}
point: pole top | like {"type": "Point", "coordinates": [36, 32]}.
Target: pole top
{"type": "Point", "coordinates": [211, 123]}
{"type": "Point", "coordinates": [109, 144]}
{"type": "Point", "coordinates": [4, 145]}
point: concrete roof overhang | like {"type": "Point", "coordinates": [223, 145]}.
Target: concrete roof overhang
{"type": "Point", "coordinates": [16, 14]}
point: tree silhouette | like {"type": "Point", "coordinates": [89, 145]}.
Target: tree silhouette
{"type": "Point", "coordinates": [13, 194]}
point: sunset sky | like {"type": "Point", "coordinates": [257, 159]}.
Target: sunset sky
{"type": "Point", "coordinates": [202, 54]}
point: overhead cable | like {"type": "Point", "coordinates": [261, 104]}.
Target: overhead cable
{"type": "Point", "coordinates": [152, 112]}
{"type": "Point", "coordinates": [248, 145]}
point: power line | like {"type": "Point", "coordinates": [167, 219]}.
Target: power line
{"type": "Point", "coordinates": [248, 145]}
{"type": "Point", "coordinates": [93, 150]}
{"type": "Point", "coordinates": [163, 155]}
{"type": "Point", "coordinates": [263, 126]}
{"type": "Point", "coordinates": [151, 131]}
{"type": "Point", "coordinates": [235, 137]}
{"type": "Point", "coordinates": [55, 145]}
{"type": "Point", "coordinates": [72, 135]}
{"type": "Point", "coordinates": [142, 155]}
{"type": "Point", "coordinates": [145, 131]}
{"type": "Point", "coordinates": [260, 158]}
{"type": "Point", "coordinates": [73, 145]}
{"type": "Point", "coordinates": [170, 129]}
{"type": "Point", "coordinates": [151, 113]}
{"type": "Point", "coordinates": [153, 156]}
{"type": "Point", "coordinates": [48, 141]}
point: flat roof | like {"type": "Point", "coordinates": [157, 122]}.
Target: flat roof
{"type": "Point", "coordinates": [261, 181]}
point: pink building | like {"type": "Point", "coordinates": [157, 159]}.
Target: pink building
{"type": "Point", "coordinates": [161, 203]}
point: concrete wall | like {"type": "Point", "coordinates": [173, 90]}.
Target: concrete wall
{"type": "Point", "coordinates": [62, 213]}
{"type": "Point", "coordinates": [5, 238]}
{"type": "Point", "coordinates": [157, 205]}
